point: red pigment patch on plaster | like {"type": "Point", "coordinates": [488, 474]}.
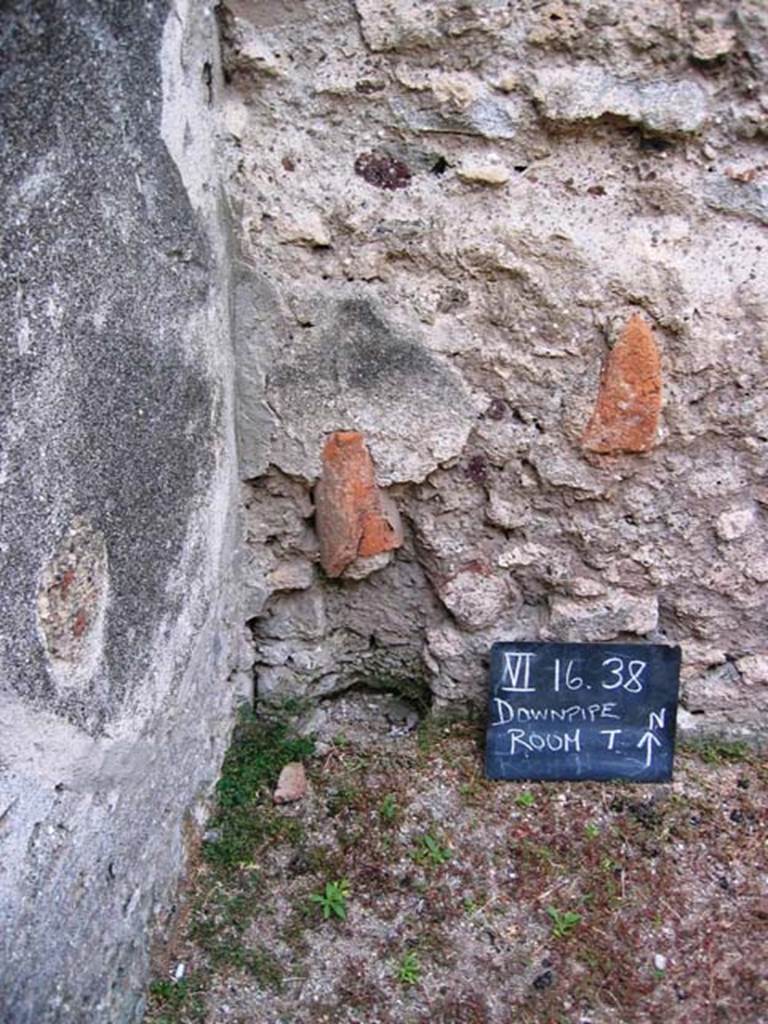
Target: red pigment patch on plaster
{"type": "Point", "coordinates": [67, 579]}
{"type": "Point", "coordinates": [72, 599]}
{"type": "Point", "coordinates": [475, 568]}
{"type": "Point", "coordinates": [354, 518]}
{"type": "Point", "coordinates": [80, 623]}
{"type": "Point", "coordinates": [626, 414]}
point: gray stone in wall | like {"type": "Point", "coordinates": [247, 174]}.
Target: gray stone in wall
{"type": "Point", "coordinates": [256, 315]}
{"type": "Point", "coordinates": [118, 490]}
{"type": "Point", "coordinates": [486, 117]}
{"type": "Point", "coordinates": [344, 366]}
{"type": "Point", "coordinates": [742, 199]}
{"type": "Point", "coordinates": [582, 94]}
{"type": "Point", "coordinates": [404, 25]}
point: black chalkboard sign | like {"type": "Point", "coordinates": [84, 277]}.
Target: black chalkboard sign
{"type": "Point", "coordinates": [582, 711]}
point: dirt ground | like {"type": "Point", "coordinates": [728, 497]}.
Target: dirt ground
{"type": "Point", "coordinates": [405, 888]}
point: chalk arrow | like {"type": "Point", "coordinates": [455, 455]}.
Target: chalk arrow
{"type": "Point", "coordinates": [648, 738]}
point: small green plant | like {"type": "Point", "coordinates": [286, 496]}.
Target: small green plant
{"type": "Point", "coordinates": [409, 970]}
{"type": "Point", "coordinates": [526, 799]}
{"type": "Point", "coordinates": [591, 830]}
{"type": "Point", "coordinates": [429, 851]}
{"type": "Point", "coordinates": [563, 921]}
{"type": "Point", "coordinates": [388, 809]}
{"type": "Point", "coordinates": [427, 735]}
{"type": "Point", "coordinates": [260, 748]}
{"type": "Point", "coordinates": [539, 854]}
{"type": "Point", "coordinates": [333, 899]}
{"type": "Point", "coordinates": [717, 750]}
{"type": "Point", "coordinates": [169, 994]}
{"type": "Point", "coordinates": [470, 905]}
{"type": "Point", "coordinates": [344, 798]}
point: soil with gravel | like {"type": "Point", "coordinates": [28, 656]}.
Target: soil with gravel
{"type": "Point", "coordinates": [404, 888]}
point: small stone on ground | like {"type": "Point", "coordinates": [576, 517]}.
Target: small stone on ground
{"type": "Point", "coordinates": [292, 784]}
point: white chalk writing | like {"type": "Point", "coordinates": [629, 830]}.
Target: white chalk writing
{"type": "Point", "coordinates": [611, 734]}
{"type": "Point", "coordinates": [649, 737]}
{"type": "Point", "coordinates": [585, 712]}
{"type": "Point", "coordinates": [656, 718]}
{"type": "Point", "coordinates": [535, 741]}
{"type": "Point", "coordinates": [514, 661]}
{"type": "Point", "coordinates": [572, 682]}
{"type": "Point", "coordinates": [624, 675]}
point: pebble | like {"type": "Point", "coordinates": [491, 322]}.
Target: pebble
{"type": "Point", "coordinates": [714, 44]}
{"type": "Point", "coordinates": [305, 228]}
{"type": "Point", "coordinates": [292, 784]}
{"type": "Point", "coordinates": [543, 981]}
{"type": "Point", "coordinates": [734, 524]}
{"type": "Point", "coordinates": [659, 962]}
{"type": "Point", "coordinates": [484, 174]}
{"type": "Point", "coordinates": [508, 82]}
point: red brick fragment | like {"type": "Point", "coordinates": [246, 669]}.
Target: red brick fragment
{"type": "Point", "coordinates": [626, 414]}
{"type": "Point", "coordinates": [354, 518]}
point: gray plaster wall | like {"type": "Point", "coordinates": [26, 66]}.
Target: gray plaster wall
{"type": "Point", "coordinates": [118, 521]}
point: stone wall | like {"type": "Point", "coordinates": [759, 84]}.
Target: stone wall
{"type": "Point", "coordinates": [501, 337]}
{"type": "Point", "coordinates": [119, 490]}
{"type": "Point", "coordinates": [519, 249]}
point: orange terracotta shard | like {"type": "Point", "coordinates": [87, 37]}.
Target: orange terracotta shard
{"type": "Point", "coordinates": [626, 414]}
{"type": "Point", "coordinates": [354, 518]}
